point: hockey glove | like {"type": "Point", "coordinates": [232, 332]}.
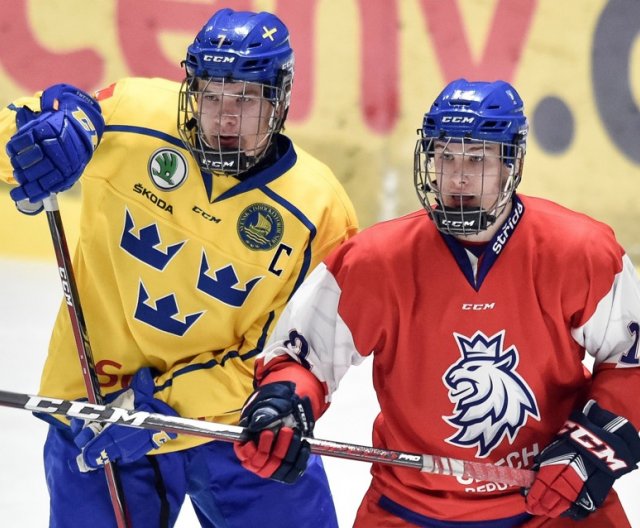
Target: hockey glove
{"type": "Point", "coordinates": [577, 470]}
{"type": "Point", "coordinates": [276, 419]}
{"type": "Point", "coordinates": [101, 443]}
{"type": "Point", "coordinates": [49, 152]}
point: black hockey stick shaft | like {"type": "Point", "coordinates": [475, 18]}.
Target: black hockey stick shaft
{"type": "Point", "coordinates": [230, 433]}
{"type": "Point", "coordinates": [81, 336]}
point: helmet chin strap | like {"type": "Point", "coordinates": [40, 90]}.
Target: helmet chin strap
{"type": "Point", "coordinates": [472, 220]}
{"type": "Point", "coordinates": [469, 221]}
{"type": "Point", "coordinates": [223, 163]}
{"type": "Point", "coordinates": [233, 161]}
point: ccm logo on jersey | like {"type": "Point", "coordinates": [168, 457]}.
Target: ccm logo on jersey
{"type": "Point", "coordinates": [593, 444]}
{"type": "Point", "coordinates": [205, 215]}
{"type": "Point", "coordinates": [458, 119]}
{"type": "Point", "coordinates": [479, 306]}
{"type": "Point", "coordinates": [218, 58]}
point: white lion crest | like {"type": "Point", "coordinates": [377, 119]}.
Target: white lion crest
{"type": "Point", "coordinates": [491, 399]}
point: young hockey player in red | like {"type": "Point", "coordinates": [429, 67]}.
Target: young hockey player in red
{"type": "Point", "coordinates": [478, 311]}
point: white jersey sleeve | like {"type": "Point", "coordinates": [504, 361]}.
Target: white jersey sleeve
{"type": "Point", "coordinates": [608, 335]}
{"type": "Point", "coordinates": [327, 349]}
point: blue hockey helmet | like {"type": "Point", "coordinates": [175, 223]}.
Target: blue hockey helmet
{"type": "Point", "coordinates": [489, 111]}
{"type": "Point", "coordinates": [471, 113]}
{"type": "Point", "coordinates": [242, 46]}
{"type": "Point", "coordinates": [236, 47]}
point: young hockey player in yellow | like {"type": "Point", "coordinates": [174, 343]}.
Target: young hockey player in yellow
{"type": "Point", "coordinates": [194, 234]}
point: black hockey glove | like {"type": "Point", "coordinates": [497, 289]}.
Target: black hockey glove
{"type": "Point", "coordinates": [577, 470]}
{"type": "Point", "coordinates": [276, 419]}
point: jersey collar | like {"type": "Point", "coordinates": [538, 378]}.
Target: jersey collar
{"type": "Point", "coordinates": [476, 269]}
{"type": "Point", "coordinates": [283, 159]}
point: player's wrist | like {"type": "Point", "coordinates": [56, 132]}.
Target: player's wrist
{"type": "Point", "coordinates": [306, 385]}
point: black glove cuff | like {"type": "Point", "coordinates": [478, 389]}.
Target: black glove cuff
{"type": "Point", "coordinates": [610, 441]}
{"type": "Point", "coordinates": [275, 405]}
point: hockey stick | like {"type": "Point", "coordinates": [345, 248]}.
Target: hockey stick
{"type": "Point", "coordinates": [232, 433]}
{"type": "Point", "coordinates": [79, 326]}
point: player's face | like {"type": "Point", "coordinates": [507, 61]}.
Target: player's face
{"type": "Point", "coordinates": [233, 116]}
{"type": "Point", "coordinates": [469, 174]}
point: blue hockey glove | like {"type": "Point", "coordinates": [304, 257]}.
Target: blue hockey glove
{"type": "Point", "coordinates": [101, 443]}
{"type": "Point", "coordinates": [49, 152]}
{"type": "Point", "coordinates": [577, 470]}
{"type": "Point", "coordinates": [276, 419]}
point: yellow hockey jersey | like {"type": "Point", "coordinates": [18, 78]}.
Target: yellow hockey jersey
{"type": "Point", "coordinates": [179, 270]}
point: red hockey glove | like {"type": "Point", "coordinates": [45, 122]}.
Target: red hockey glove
{"type": "Point", "coordinates": [577, 470]}
{"type": "Point", "coordinates": [276, 419]}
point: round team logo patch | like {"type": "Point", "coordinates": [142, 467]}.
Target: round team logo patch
{"type": "Point", "coordinates": [168, 169]}
{"type": "Point", "coordinates": [260, 227]}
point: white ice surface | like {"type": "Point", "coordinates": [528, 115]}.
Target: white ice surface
{"type": "Point", "coordinates": [29, 297]}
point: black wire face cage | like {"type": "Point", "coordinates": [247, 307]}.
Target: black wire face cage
{"type": "Point", "coordinates": [228, 125]}
{"type": "Point", "coordinates": [466, 184]}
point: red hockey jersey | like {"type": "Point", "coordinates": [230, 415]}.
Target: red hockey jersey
{"type": "Point", "coordinates": [473, 358]}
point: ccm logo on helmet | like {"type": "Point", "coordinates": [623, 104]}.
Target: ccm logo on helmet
{"type": "Point", "coordinates": [458, 119]}
{"type": "Point", "coordinates": [218, 58]}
